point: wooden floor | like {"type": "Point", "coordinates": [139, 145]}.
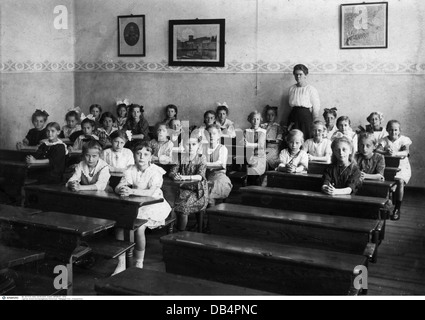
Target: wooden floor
{"type": "Point", "coordinates": [399, 271]}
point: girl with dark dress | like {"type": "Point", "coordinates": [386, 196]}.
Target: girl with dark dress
{"type": "Point", "coordinates": [137, 124]}
{"type": "Point", "coordinates": [38, 133]}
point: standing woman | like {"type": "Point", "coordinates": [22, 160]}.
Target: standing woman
{"type": "Point", "coordinates": [304, 101]}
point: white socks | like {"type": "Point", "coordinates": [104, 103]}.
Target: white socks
{"type": "Point", "coordinates": [139, 256]}
{"type": "Point", "coordinates": [121, 265]}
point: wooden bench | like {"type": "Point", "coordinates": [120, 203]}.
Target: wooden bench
{"type": "Point", "coordinates": [390, 173]}
{"type": "Point", "coordinates": [316, 202]}
{"type": "Point", "coordinates": [62, 236]}
{"type": "Point", "coordinates": [350, 235]}
{"type": "Point", "coordinates": [142, 282]}
{"type": "Point", "coordinates": [12, 257]}
{"type": "Point", "coordinates": [270, 267]}
{"type": "Point", "coordinates": [313, 182]}
{"type": "Point", "coordinates": [393, 162]}
{"type": "Point", "coordinates": [110, 248]}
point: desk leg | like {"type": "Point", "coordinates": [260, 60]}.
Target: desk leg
{"type": "Point", "coordinates": [69, 268]}
{"type": "Point", "coordinates": [129, 237]}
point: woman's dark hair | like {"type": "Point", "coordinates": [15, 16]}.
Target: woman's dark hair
{"type": "Point", "coordinates": [171, 106]}
{"type": "Point", "coordinates": [118, 134]}
{"type": "Point", "coordinates": [391, 122]}
{"type": "Point", "coordinates": [72, 114]}
{"type": "Point", "coordinates": [92, 144]}
{"type": "Point", "coordinates": [301, 67]}
{"type": "Point", "coordinates": [120, 106]}
{"type": "Point", "coordinates": [130, 119]}
{"type": "Point", "coordinates": [107, 115]}
{"type": "Point", "coordinates": [210, 112]}
{"type": "Point", "coordinates": [143, 145]}
{"type": "Point", "coordinates": [91, 122]}
{"type": "Point", "coordinates": [39, 113]}
{"type": "Point", "coordinates": [341, 119]}
{"type": "Point", "coordinates": [332, 111]}
{"type": "Point", "coordinates": [93, 106]}
{"type": "Point", "coordinates": [221, 108]}
{"type": "Point", "coordinates": [270, 108]}
{"type": "Point", "coordinates": [54, 125]}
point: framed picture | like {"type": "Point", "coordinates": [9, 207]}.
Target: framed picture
{"type": "Point", "coordinates": [198, 43]}
{"type": "Point", "coordinates": [131, 36]}
{"type": "Point", "coordinates": [364, 26]}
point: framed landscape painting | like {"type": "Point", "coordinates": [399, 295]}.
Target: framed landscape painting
{"type": "Point", "coordinates": [197, 43]}
{"type": "Point", "coordinates": [364, 26]}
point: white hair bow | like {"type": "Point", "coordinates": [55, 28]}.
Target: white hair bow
{"type": "Point", "coordinates": [76, 109]}
{"type": "Point", "coordinates": [125, 101]}
{"type": "Point", "coordinates": [90, 117]}
{"type": "Point", "coordinates": [219, 104]}
{"type": "Point", "coordinates": [129, 135]}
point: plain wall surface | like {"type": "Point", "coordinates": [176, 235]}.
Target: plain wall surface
{"type": "Point", "coordinates": [264, 40]}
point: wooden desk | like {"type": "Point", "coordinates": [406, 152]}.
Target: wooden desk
{"type": "Point", "coordinates": [96, 204]}
{"type": "Point", "coordinates": [316, 202]}
{"type": "Point", "coordinates": [313, 182]}
{"type": "Point", "coordinates": [393, 162]}
{"type": "Point", "coordinates": [12, 257]}
{"type": "Point", "coordinates": [143, 282]}
{"type": "Point", "coordinates": [271, 267]}
{"type": "Point", "coordinates": [342, 234]}
{"type": "Point", "coordinates": [316, 167]}
{"type": "Point", "coordinates": [60, 235]}
{"type": "Point", "coordinates": [15, 155]}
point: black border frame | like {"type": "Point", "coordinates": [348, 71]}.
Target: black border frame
{"type": "Point", "coordinates": [341, 36]}
{"type": "Point", "coordinates": [143, 32]}
{"type": "Point", "coordinates": [220, 63]}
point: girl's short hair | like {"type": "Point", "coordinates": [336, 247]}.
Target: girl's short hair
{"type": "Point", "coordinates": [336, 142]}
{"type": "Point", "coordinates": [72, 114]}
{"type": "Point", "coordinates": [253, 114]}
{"type": "Point", "coordinates": [91, 122]}
{"type": "Point", "coordinates": [271, 108]}
{"type": "Point", "coordinates": [391, 122]}
{"type": "Point", "coordinates": [368, 136]}
{"type": "Point", "coordinates": [92, 144]}
{"type": "Point", "coordinates": [160, 124]}
{"type": "Point", "coordinates": [301, 67]}
{"type": "Point", "coordinates": [332, 111]}
{"type": "Point", "coordinates": [210, 112]}
{"type": "Point", "coordinates": [379, 114]}
{"type": "Point", "coordinates": [120, 106]}
{"type": "Point", "coordinates": [295, 134]}
{"type": "Point", "coordinates": [118, 134]}
{"type": "Point", "coordinates": [170, 124]}
{"type": "Point", "coordinates": [39, 113]}
{"type": "Point", "coordinates": [341, 119]}
{"type": "Point", "coordinates": [107, 115]}
{"type": "Point", "coordinates": [131, 109]}
{"type": "Point", "coordinates": [98, 106]}
{"type": "Point", "coordinates": [54, 125]}
{"type": "Point", "coordinates": [222, 108]}
{"type": "Point", "coordinates": [141, 146]}
{"type": "Point", "coordinates": [172, 106]}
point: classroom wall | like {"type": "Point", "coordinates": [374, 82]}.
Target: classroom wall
{"type": "Point", "coordinates": [264, 39]}
{"type": "Point", "coordinates": [33, 65]}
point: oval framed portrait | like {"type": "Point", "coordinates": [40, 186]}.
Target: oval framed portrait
{"type": "Point", "coordinates": [131, 36]}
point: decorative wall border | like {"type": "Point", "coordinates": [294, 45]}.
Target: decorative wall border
{"type": "Point", "coordinates": [343, 67]}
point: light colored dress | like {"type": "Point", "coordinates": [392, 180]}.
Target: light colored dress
{"type": "Point", "coordinates": [331, 133]}
{"type": "Point", "coordinates": [406, 171]}
{"type": "Point", "coordinates": [120, 160]}
{"type": "Point", "coordinates": [301, 158]}
{"type": "Point", "coordinates": [227, 128]}
{"type": "Point", "coordinates": [379, 135]}
{"type": "Point", "coordinates": [78, 144]}
{"type": "Point", "coordinates": [67, 131]}
{"type": "Point", "coordinates": [306, 97]}
{"type": "Point", "coordinates": [222, 186]}
{"type": "Point", "coordinates": [99, 177]}
{"type": "Point", "coordinates": [121, 123]}
{"type": "Point", "coordinates": [162, 150]}
{"type": "Point", "coordinates": [256, 157]}
{"type": "Point", "coordinates": [151, 178]}
{"type": "Point", "coordinates": [322, 149]}
{"type": "Point", "coordinates": [274, 133]}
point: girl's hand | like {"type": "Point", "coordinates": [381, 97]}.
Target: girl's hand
{"type": "Point", "coordinates": [74, 186]}
{"type": "Point", "coordinates": [178, 177]}
{"type": "Point", "coordinates": [329, 190]}
{"type": "Point", "coordinates": [381, 178]}
{"type": "Point", "coordinates": [310, 157]}
{"type": "Point", "coordinates": [362, 176]}
{"type": "Point", "coordinates": [126, 192]}
{"type": "Point", "coordinates": [19, 145]}
{"type": "Point", "coordinates": [30, 160]}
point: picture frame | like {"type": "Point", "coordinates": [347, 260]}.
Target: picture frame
{"type": "Point", "coordinates": [131, 36]}
{"type": "Point", "coordinates": [364, 25]}
{"type": "Point", "coordinates": [197, 43]}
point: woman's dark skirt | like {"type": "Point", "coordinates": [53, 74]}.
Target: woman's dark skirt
{"type": "Point", "coordinates": [302, 118]}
